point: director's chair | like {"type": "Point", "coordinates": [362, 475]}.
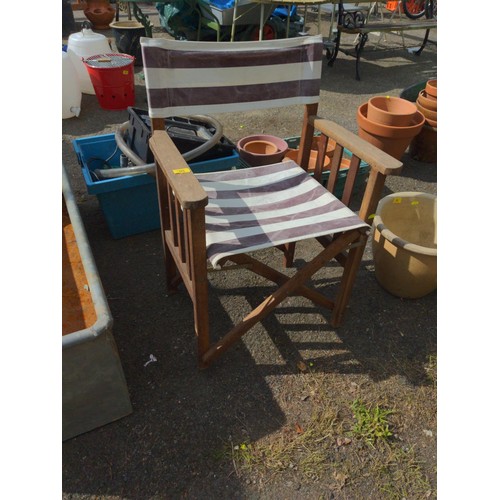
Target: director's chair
{"type": "Point", "coordinates": [217, 219]}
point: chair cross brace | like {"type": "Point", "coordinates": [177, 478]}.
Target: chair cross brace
{"type": "Point", "coordinates": [289, 286]}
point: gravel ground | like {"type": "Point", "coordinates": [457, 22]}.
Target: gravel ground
{"type": "Point", "coordinates": [184, 438]}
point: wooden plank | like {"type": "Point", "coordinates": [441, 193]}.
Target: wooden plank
{"type": "Point", "coordinates": [350, 180]}
{"type": "Point", "coordinates": [338, 152]}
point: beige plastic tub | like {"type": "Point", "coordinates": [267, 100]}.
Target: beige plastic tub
{"type": "Point", "coordinates": [405, 244]}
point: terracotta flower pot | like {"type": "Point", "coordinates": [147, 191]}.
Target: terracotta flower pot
{"type": "Point", "coordinates": [431, 123]}
{"type": "Point", "coordinates": [254, 158]}
{"type": "Point", "coordinates": [260, 147]}
{"type": "Point", "coordinates": [100, 13]}
{"type": "Point", "coordinates": [431, 88]}
{"type": "Point", "coordinates": [425, 102]}
{"type": "Point", "coordinates": [392, 140]}
{"type": "Point", "coordinates": [293, 154]}
{"type": "Point", "coordinates": [423, 147]}
{"type": "Point", "coordinates": [392, 111]}
{"type": "Point", "coordinates": [428, 113]}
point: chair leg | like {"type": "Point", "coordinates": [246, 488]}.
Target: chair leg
{"type": "Point", "coordinates": [351, 267]}
{"type": "Point", "coordinates": [172, 276]}
{"type": "Point", "coordinates": [289, 254]}
{"type": "Point", "coordinates": [201, 328]}
{"type": "Point", "coordinates": [199, 280]}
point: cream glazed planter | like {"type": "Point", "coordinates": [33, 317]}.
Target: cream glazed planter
{"type": "Point", "coordinates": [405, 244]}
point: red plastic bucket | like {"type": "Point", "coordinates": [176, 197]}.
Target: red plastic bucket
{"type": "Point", "coordinates": [112, 76]}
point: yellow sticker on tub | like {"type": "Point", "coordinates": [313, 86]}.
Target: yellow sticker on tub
{"type": "Point", "coordinates": [182, 170]}
{"type": "Point", "coordinates": [125, 71]}
{"type": "Point", "coordinates": [415, 202]}
{"type": "Point", "coordinates": [398, 200]}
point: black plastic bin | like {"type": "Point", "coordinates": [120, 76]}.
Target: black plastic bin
{"type": "Point", "coordinates": [187, 134]}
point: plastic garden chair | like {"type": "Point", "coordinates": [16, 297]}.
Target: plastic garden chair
{"type": "Point", "coordinates": [216, 219]}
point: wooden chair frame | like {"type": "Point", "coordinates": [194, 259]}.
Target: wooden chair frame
{"type": "Point", "coordinates": [182, 202]}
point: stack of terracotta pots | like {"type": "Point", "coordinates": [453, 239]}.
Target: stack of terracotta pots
{"type": "Point", "coordinates": [424, 146]}
{"type": "Point", "coordinates": [389, 123]}
{"type": "Point", "coordinates": [261, 149]}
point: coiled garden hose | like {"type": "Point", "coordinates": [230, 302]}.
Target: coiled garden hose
{"type": "Point", "coordinates": [141, 167]}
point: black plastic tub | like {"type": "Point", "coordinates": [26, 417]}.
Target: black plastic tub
{"type": "Point", "coordinates": [186, 133]}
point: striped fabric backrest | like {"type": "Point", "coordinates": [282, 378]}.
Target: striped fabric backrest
{"type": "Point", "coordinates": [188, 78]}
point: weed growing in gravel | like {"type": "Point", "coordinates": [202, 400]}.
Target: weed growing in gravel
{"type": "Point", "coordinates": [371, 423]}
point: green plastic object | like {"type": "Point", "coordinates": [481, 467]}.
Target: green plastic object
{"type": "Point", "coordinates": [411, 93]}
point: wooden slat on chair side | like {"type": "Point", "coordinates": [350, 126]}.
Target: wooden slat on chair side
{"type": "Point", "coordinates": [183, 214]}
{"type": "Point", "coordinates": [183, 228]}
{"type": "Point", "coordinates": [350, 180]}
{"type": "Point", "coordinates": [381, 165]}
{"type": "Point", "coordinates": [320, 160]}
{"type": "Point", "coordinates": [372, 155]}
{"type": "Point", "coordinates": [338, 152]}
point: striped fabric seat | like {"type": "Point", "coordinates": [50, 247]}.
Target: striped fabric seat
{"type": "Point", "coordinates": [188, 78]}
{"type": "Point", "coordinates": [262, 207]}
{"type": "Point", "coordinates": [259, 207]}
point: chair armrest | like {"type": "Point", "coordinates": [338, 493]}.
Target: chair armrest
{"type": "Point", "coordinates": [376, 158]}
{"type": "Point", "coordinates": [183, 182]}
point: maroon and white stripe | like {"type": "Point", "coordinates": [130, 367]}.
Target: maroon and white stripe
{"type": "Point", "coordinates": [261, 207]}
{"type": "Point", "coordinates": [186, 78]}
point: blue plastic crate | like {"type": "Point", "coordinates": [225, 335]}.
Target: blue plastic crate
{"type": "Point", "coordinates": [129, 203]}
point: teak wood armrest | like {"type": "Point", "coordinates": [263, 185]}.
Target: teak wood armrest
{"type": "Point", "coordinates": [184, 184]}
{"type": "Point", "coordinates": [377, 159]}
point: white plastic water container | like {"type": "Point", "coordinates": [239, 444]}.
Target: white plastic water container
{"type": "Point", "coordinates": [71, 93]}
{"type": "Point", "coordinates": [82, 45]}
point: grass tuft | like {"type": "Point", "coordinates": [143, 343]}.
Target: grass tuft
{"type": "Point", "coordinates": [371, 422]}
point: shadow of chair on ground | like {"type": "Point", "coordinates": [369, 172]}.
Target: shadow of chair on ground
{"type": "Point", "coordinates": [182, 418]}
